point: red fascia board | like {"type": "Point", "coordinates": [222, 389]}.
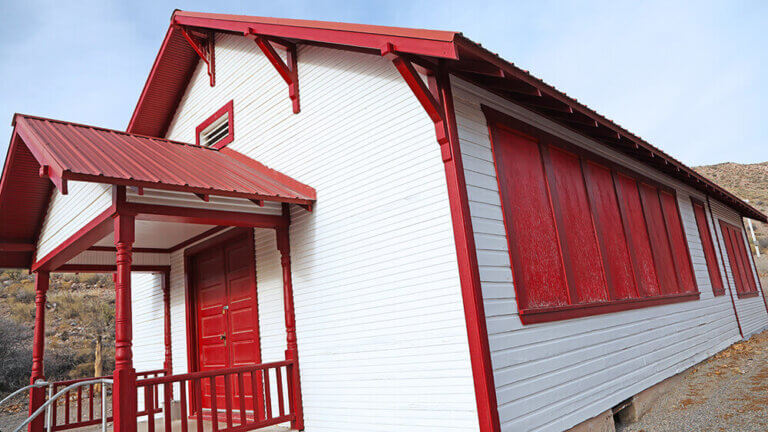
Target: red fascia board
{"type": "Point", "coordinates": [150, 78]}
{"type": "Point", "coordinates": [93, 231]}
{"type": "Point", "coordinates": [68, 175]}
{"type": "Point", "coordinates": [421, 42]}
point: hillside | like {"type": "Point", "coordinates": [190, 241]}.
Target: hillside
{"type": "Point", "coordinates": [747, 181]}
{"type": "Point", "coordinates": [79, 323]}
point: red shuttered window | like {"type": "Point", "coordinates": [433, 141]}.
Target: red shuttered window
{"type": "Point", "coordinates": [741, 267]}
{"type": "Point", "coordinates": [709, 248]}
{"type": "Point", "coordinates": [585, 236]}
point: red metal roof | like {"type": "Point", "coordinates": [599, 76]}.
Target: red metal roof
{"type": "Point", "coordinates": [88, 153]}
{"type": "Point", "coordinates": [464, 58]}
{"type": "Point", "coordinates": [70, 151]}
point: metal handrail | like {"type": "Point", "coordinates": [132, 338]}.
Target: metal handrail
{"type": "Point", "coordinates": [66, 389]}
{"type": "Point", "coordinates": [37, 383]}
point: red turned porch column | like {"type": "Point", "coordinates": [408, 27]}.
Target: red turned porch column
{"type": "Point", "coordinates": [124, 388]}
{"type": "Point", "coordinates": [168, 363]}
{"type": "Point", "coordinates": [37, 395]}
{"type": "Point", "coordinates": [292, 348]}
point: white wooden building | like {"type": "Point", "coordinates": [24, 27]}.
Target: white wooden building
{"type": "Point", "coordinates": [443, 240]}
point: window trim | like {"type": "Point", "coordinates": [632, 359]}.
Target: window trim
{"type": "Point", "coordinates": [228, 109]}
{"type": "Point", "coordinates": [697, 202]}
{"type": "Point", "coordinates": [512, 125]}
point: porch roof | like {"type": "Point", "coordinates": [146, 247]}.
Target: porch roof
{"type": "Point", "coordinates": [62, 151]}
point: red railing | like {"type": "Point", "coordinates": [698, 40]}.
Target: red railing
{"type": "Point", "coordinates": [241, 398]}
{"type": "Point", "coordinates": [82, 407]}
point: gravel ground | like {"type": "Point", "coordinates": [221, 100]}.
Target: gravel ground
{"type": "Point", "coordinates": [728, 392]}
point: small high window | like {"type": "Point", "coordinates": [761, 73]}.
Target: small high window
{"type": "Point", "coordinates": [217, 130]}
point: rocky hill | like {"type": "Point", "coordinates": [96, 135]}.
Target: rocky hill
{"type": "Point", "coordinates": [79, 326]}
{"type": "Point", "coordinates": [747, 181]}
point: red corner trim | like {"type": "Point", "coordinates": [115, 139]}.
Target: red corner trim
{"type": "Point", "coordinates": [228, 108]}
{"type": "Point", "coordinates": [469, 273]}
{"type": "Point", "coordinates": [725, 269]}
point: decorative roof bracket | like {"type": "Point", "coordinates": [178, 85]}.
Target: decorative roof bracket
{"type": "Point", "coordinates": [288, 70]}
{"type": "Point", "coordinates": [204, 47]}
{"type": "Point", "coordinates": [426, 93]}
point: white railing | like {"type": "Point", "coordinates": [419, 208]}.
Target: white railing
{"type": "Point", "coordinates": [52, 398]}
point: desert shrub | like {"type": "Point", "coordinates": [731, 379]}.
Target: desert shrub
{"type": "Point", "coordinates": [15, 355]}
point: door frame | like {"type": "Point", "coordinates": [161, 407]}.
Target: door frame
{"type": "Point", "coordinates": [191, 296]}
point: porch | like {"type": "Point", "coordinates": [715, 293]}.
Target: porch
{"type": "Point", "coordinates": [133, 214]}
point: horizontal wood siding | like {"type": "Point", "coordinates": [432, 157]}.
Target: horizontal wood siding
{"type": "Point", "coordinates": [183, 199]}
{"type": "Point", "coordinates": [752, 312]}
{"type": "Point", "coordinates": [381, 330]}
{"type": "Point", "coordinates": [552, 376]}
{"type": "Point", "coordinates": [147, 312]}
{"type": "Point", "coordinates": [68, 213]}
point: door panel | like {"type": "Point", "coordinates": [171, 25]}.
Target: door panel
{"type": "Point", "coordinates": [224, 284]}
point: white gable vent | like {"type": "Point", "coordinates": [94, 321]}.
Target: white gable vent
{"type": "Point", "coordinates": [218, 130]}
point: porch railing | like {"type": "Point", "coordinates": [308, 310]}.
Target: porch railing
{"type": "Point", "coordinates": [82, 406]}
{"type": "Point", "coordinates": [235, 399]}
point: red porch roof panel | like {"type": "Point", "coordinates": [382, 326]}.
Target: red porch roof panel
{"type": "Point", "coordinates": [87, 153]}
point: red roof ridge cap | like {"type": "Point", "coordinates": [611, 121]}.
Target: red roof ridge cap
{"type": "Point", "coordinates": [419, 33]}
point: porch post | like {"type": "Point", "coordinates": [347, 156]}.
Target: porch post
{"type": "Point", "coordinates": [292, 348]}
{"type": "Point", "coordinates": [124, 388]}
{"type": "Point", "coordinates": [37, 395]}
{"type": "Point", "coordinates": [168, 363]}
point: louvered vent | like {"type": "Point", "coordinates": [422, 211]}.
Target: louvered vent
{"type": "Point", "coordinates": [216, 131]}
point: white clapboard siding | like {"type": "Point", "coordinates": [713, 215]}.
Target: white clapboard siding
{"type": "Point", "coordinates": [381, 330]}
{"type": "Point", "coordinates": [751, 310]}
{"type": "Point", "coordinates": [215, 202]}
{"type": "Point", "coordinates": [147, 311]}
{"type": "Point", "coordinates": [90, 257]}
{"type": "Point", "coordinates": [68, 213]}
{"type": "Point", "coordinates": [552, 376]}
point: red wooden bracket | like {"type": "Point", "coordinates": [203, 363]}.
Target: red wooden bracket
{"type": "Point", "coordinates": [203, 197]}
{"type": "Point", "coordinates": [259, 203]}
{"type": "Point", "coordinates": [427, 94]}
{"type": "Point", "coordinates": [204, 47]}
{"type": "Point", "coordinates": [288, 70]}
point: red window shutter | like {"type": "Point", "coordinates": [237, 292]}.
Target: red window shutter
{"type": "Point", "coordinates": [639, 243]}
{"type": "Point", "coordinates": [709, 249]}
{"type": "Point", "coordinates": [617, 261]}
{"type": "Point", "coordinates": [581, 253]}
{"type": "Point", "coordinates": [678, 241]}
{"type": "Point", "coordinates": [746, 263]}
{"type": "Point", "coordinates": [657, 232]}
{"type": "Point", "coordinates": [736, 258]}
{"type": "Point", "coordinates": [537, 263]}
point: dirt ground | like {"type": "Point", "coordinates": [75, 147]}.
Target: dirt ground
{"type": "Point", "coordinates": [728, 392]}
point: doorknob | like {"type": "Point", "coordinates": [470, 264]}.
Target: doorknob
{"type": "Point", "coordinates": [222, 337]}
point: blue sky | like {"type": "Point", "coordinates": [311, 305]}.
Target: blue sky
{"type": "Point", "coordinates": [689, 77]}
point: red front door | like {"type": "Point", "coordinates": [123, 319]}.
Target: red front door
{"type": "Point", "coordinates": [223, 278]}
